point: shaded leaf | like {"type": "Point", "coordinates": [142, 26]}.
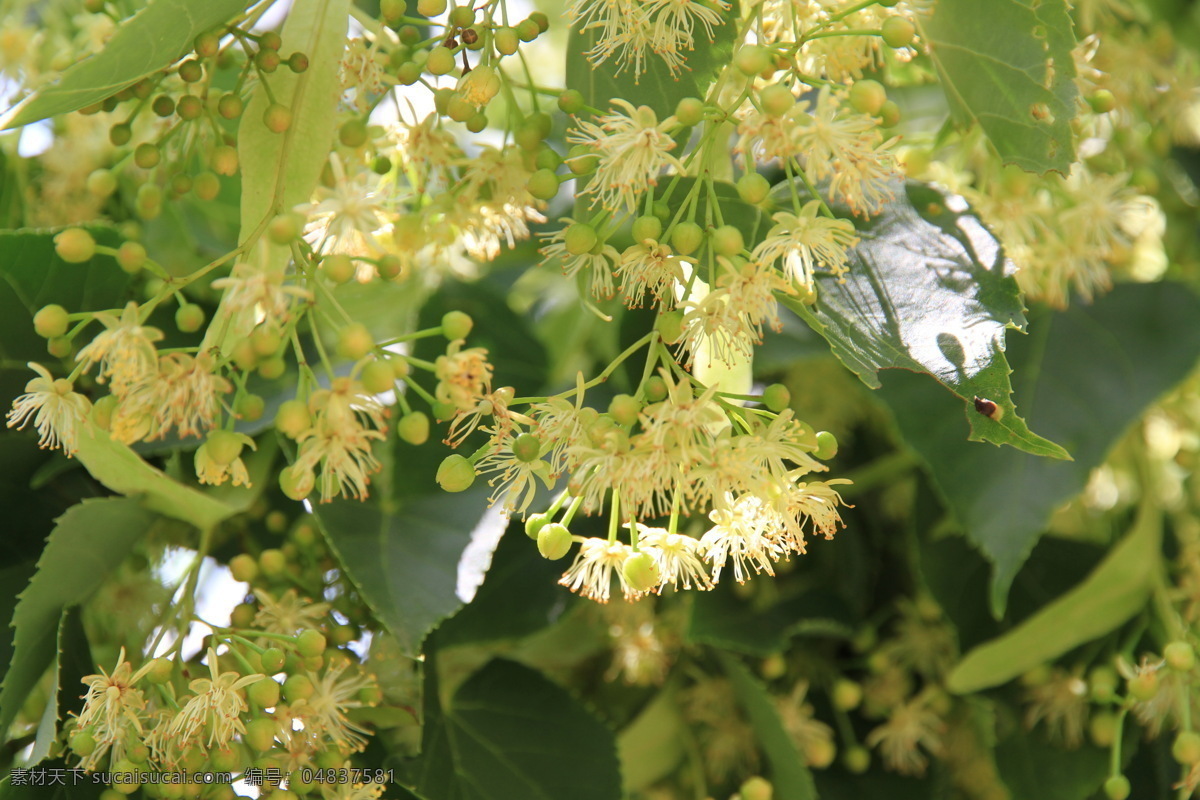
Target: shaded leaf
{"type": "Point", "coordinates": [1114, 592]}
{"type": "Point", "coordinates": [719, 618]}
{"type": "Point", "coordinates": [408, 548]}
{"type": "Point", "coordinates": [929, 291]}
{"type": "Point", "coordinates": [151, 40]}
{"type": "Point", "coordinates": [509, 732]}
{"type": "Point", "coordinates": [1034, 769]}
{"type": "Point", "coordinates": [88, 543]}
{"type": "Point", "coordinates": [789, 774]}
{"type": "Point", "coordinates": [653, 744]}
{"type": "Point", "coordinates": [72, 662]}
{"type": "Point", "coordinates": [1085, 374]}
{"type": "Point", "coordinates": [1007, 66]}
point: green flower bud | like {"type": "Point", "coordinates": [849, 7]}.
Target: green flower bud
{"type": "Point", "coordinates": [310, 643]}
{"type": "Point", "coordinates": [260, 734]}
{"type": "Point", "coordinates": [527, 448]}
{"type": "Point", "coordinates": [264, 693]}
{"type": "Point", "coordinates": [535, 523]}
{"type": "Point", "coordinates": [689, 111]}
{"type": "Point", "coordinates": [51, 321]}
{"type": "Point", "coordinates": [753, 188]}
{"type": "Point", "coordinates": [647, 227]}
{"type": "Point", "coordinates": [867, 96]}
{"type": "Point", "coordinates": [846, 695]}
{"type": "Point", "coordinates": [456, 325]}
{"type": "Point", "coordinates": [75, 245]}
{"type": "Point", "coordinates": [756, 788]}
{"type": "Point", "coordinates": [1180, 656]}
{"type": "Point", "coordinates": [272, 562]}
{"type": "Point", "coordinates": [898, 31]}
{"type": "Point", "coordinates": [413, 428]}
{"type": "Point", "coordinates": [624, 409]}
{"type": "Point", "coordinates": [378, 377]}
{"type": "Point", "coordinates": [686, 238]}
{"type": "Point", "coordinates": [641, 572]}
{"type": "Point", "coordinates": [776, 397]}
{"type": "Point", "coordinates": [554, 541]}
{"type": "Point", "coordinates": [571, 101]}
{"type": "Point", "coordinates": [827, 446]}
{"type": "Point", "coordinates": [189, 318]}
{"type": "Point", "coordinates": [293, 418]}
{"type": "Point", "coordinates": [580, 238]}
{"type": "Point", "coordinates": [272, 659]}
{"type": "Point", "coordinates": [1117, 788]}
{"type": "Point", "coordinates": [243, 567]}
{"type": "Point", "coordinates": [354, 341]}
{"type": "Point", "coordinates": [455, 474]}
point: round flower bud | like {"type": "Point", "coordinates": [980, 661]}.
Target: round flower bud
{"type": "Point", "coordinates": [526, 448]}
{"type": "Point", "coordinates": [689, 111]}
{"type": "Point", "coordinates": [160, 670]}
{"type": "Point", "coordinates": [51, 321]}
{"type": "Point", "coordinates": [846, 695]}
{"type": "Point", "coordinates": [189, 107]}
{"type": "Point", "coordinates": [820, 753]}
{"type": "Point", "coordinates": [338, 268]}
{"type": "Point", "coordinates": [756, 788]}
{"type": "Point", "coordinates": [120, 134]}
{"type": "Point", "coordinates": [582, 160]}
{"type": "Point", "coordinates": [243, 567]}
{"type": "Point", "coordinates": [827, 446]}
{"type": "Point", "coordinates": [206, 185]}
{"type": "Point", "coordinates": [777, 99]}
{"type": "Point", "coordinates": [59, 347]}
{"type": "Point", "coordinates": [686, 238]}
{"type": "Point", "coordinates": [1102, 684]}
{"type": "Point", "coordinates": [353, 133]}
{"type": "Point", "coordinates": [284, 229]}
{"type": "Point", "coordinates": [462, 16]}
{"type": "Point", "coordinates": [455, 474]}
{"type": "Point", "coordinates": [624, 409]}
{"type": "Point", "coordinates": [776, 397]}
{"type": "Point", "coordinates": [249, 406]}
{"type": "Point", "coordinates": [149, 201]}
{"type": "Point", "coordinates": [440, 61]}
{"type": "Point", "coordinates": [867, 96]}
{"type": "Point", "coordinates": [1180, 656]}
{"type": "Point", "coordinates": [456, 325]}
{"type": "Point", "coordinates": [857, 760]}
{"type": "Point", "coordinates": [272, 562]}
{"type": "Point", "coordinates": [293, 418]}
{"type": "Point", "coordinates": [641, 572]}
{"type": "Point", "coordinates": [163, 106]}
{"type": "Point", "coordinates": [753, 188]}
{"type": "Point", "coordinates": [647, 227]}
{"type": "Point", "coordinates": [242, 615]}
{"type": "Point", "coordinates": [554, 541]}
{"type": "Point", "coordinates": [656, 389]}
{"type": "Point", "coordinates": [889, 114]}
{"type": "Point", "coordinates": [277, 118]}
{"type": "Point", "coordinates": [224, 160]}
{"type": "Point", "coordinates": [147, 155]}
{"type": "Point", "coordinates": [443, 411]}
{"type": "Point", "coordinates": [528, 30]}
{"type": "Point", "coordinates": [230, 106]}
{"type": "Point", "coordinates": [1102, 101]}
{"type": "Point", "coordinates": [1117, 788]}
{"type": "Point", "coordinates": [131, 256]}
{"type": "Point", "coordinates": [83, 743]}
{"type": "Point", "coordinates": [311, 643]}
{"type": "Point", "coordinates": [727, 241]}
{"type": "Point", "coordinates": [297, 62]}
{"type": "Point", "coordinates": [125, 778]}
{"type": "Point", "coordinates": [393, 10]}
{"type": "Point", "coordinates": [1143, 686]}
{"type": "Point", "coordinates": [378, 377]}
{"type": "Point", "coordinates": [1186, 748]}
{"type": "Point", "coordinates": [670, 325]}
{"type": "Point", "coordinates": [898, 31]}
{"type": "Point", "coordinates": [543, 184]}
{"type": "Point", "coordinates": [413, 428]}
{"type": "Point", "coordinates": [579, 238]}
{"type": "Point", "coordinates": [260, 734]}
{"type": "Point", "coordinates": [75, 245]}
{"type": "Point", "coordinates": [354, 341]}
{"type": "Point", "coordinates": [101, 183]}
{"type": "Point", "coordinates": [571, 101]}
{"type": "Point", "coordinates": [272, 659]}
{"type": "Point", "coordinates": [1102, 728]}
{"type": "Point", "coordinates": [224, 446]}
{"type": "Point", "coordinates": [264, 693]}
{"type": "Point", "coordinates": [507, 42]}
{"type": "Point", "coordinates": [189, 318]}
{"type": "Point", "coordinates": [535, 523]}
{"type": "Point", "coordinates": [752, 59]}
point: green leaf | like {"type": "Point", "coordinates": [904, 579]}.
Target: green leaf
{"type": "Point", "coordinates": [32, 276]}
{"type": "Point", "coordinates": [789, 774]}
{"type": "Point", "coordinates": [1113, 593]}
{"type": "Point", "coordinates": [929, 291]}
{"type": "Point", "coordinates": [88, 543]}
{"type": "Point", "coordinates": [519, 596]}
{"type": "Point", "coordinates": [406, 546]}
{"type": "Point", "coordinates": [1085, 375]}
{"type": "Point", "coordinates": [120, 469]}
{"type": "Point", "coordinates": [280, 170]}
{"type": "Point", "coordinates": [509, 732]}
{"type": "Point", "coordinates": [653, 744]}
{"type": "Point", "coordinates": [719, 618]}
{"type": "Point", "coordinates": [142, 45]}
{"type": "Point", "coordinates": [1007, 66]}
{"type": "Point", "coordinates": [1034, 769]}
{"type": "Point", "coordinates": [72, 662]}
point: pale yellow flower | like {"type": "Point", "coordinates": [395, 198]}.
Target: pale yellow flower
{"type": "Point", "coordinates": [57, 411]}
{"type": "Point", "coordinates": [633, 148]}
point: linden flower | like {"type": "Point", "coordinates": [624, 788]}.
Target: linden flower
{"type": "Point", "coordinates": [516, 480]}
{"type": "Point", "coordinates": [806, 242]}
{"type": "Point", "coordinates": [124, 350]}
{"type": "Point", "coordinates": [678, 558]}
{"type": "Point", "coordinates": [909, 727]}
{"type": "Point", "coordinates": [287, 614]}
{"type": "Point", "coordinates": [56, 410]}
{"type": "Point", "coordinates": [1062, 701]}
{"type": "Point", "coordinates": [425, 150]}
{"type": "Point", "coordinates": [184, 393]}
{"type": "Point", "coordinates": [210, 472]}
{"type": "Point", "coordinates": [745, 532]}
{"type": "Point", "coordinates": [812, 736]}
{"type": "Point", "coordinates": [633, 148]}
{"type": "Point", "coordinates": [600, 265]}
{"type": "Point", "coordinates": [463, 376]}
{"type": "Point", "coordinates": [324, 712]}
{"type": "Point", "coordinates": [347, 216]}
{"type": "Point", "coordinates": [113, 710]}
{"type": "Point", "coordinates": [591, 573]}
{"type": "Point", "coordinates": [651, 267]}
{"type": "Point", "coordinates": [264, 293]}
{"type": "Point", "coordinates": [216, 706]}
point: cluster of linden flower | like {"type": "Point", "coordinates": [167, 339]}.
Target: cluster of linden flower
{"type": "Point", "coordinates": [275, 698]}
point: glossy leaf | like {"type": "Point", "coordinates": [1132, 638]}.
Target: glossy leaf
{"type": "Point", "coordinates": [930, 291]}
{"type": "Point", "coordinates": [142, 45]}
{"type": "Point", "coordinates": [509, 732]}
{"type": "Point", "coordinates": [1085, 374]}
{"type": "Point", "coordinates": [280, 170]}
{"type": "Point", "coordinates": [415, 552]}
{"type": "Point", "coordinates": [1007, 66]}
{"type": "Point", "coordinates": [88, 543]}
{"type": "Point", "coordinates": [1113, 593]}
{"type": "Point", "coordinates": [788, 773]}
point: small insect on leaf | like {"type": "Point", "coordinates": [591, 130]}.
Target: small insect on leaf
{"type": "Point", "coordinates": [988, 408]}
